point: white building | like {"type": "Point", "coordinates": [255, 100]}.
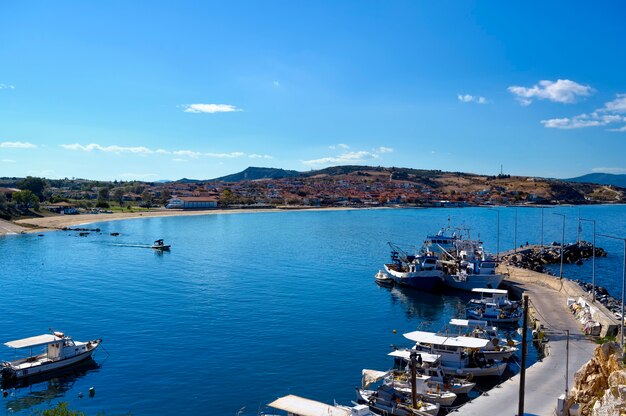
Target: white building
{"type": "Point", "coordinates": [192, 202]}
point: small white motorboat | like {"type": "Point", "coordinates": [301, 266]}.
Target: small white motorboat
{"type": "Point", "coordinates": [158, 245]}
{"type": "Point", "coordinates": [59, 352]}
{"type": "Point", "coordinates": [383, 278]}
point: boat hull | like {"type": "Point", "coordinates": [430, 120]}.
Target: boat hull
{"type": "Point", "coordinates": [428, 280]}
{"type": "Point", "coordinates": [495, 370]}
{"type": "Point", "coordinates": [473, 281]}
{"type": "Point", "coordinates": [494, 319]}
{"type": "Point", "coordinates": [46, 367]}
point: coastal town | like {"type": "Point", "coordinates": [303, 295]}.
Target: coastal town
{"type": "Point", "coordinates": [341, 186]}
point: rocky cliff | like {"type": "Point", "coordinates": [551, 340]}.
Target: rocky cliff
{"type": "Point", "coordinates": [600, 384]}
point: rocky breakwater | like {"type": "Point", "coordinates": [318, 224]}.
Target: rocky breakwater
{"type": "Point", "coordinates": [536, 257]}
{"type": "Point", "coordinates": [600, 384]}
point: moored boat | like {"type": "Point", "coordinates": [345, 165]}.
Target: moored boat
{"type": "Point", "coordinates": [497, 349]}
{"type": "Point", "coordinates": [383, 278]}
{"type": "Point", "coordinates": [460, 356]}
{"type": "Point", "coordinates": [388, 401]}
{"type": "Point", "coordinates": [419, 272]}
{"type": "Point", "coordinates": [60, 351]}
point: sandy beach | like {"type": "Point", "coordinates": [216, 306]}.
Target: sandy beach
{"type": "Point", "coordinates": [32, 225]}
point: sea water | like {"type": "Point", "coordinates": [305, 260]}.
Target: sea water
{"type": "Point", "coordinates": [246, 307]}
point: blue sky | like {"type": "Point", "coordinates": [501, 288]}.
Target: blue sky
{"type": "Point", "coordinates": [165, 90]}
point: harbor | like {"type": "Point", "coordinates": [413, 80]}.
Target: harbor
{"type": "Point", "coordinates": [325, 320]}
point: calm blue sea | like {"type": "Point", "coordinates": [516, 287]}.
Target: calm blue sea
{"type": "Point", "coordinates": [246, 307]}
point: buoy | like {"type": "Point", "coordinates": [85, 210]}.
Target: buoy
{"type": "Point", "coordinates": [394, 331]}
{"type": "Point", "coordinates": [92, 392]}
{"type": "Point", "coordinates": [5, 393]}
{"type": "Point", "coordinates": [80, 395]}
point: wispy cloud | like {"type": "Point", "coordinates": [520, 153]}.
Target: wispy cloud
{"type": "Point", "coordinates": [350, 157]}
{"type": "Point", "coordinates": [467, 98]}
{"type": "Point", "coordinates": [7, 87]}
{"type": "Point", "coordinates": [210, 108]}
{"type": "Point", "coordinates": [276, 84]}
{"type": "Point", "coordinates": [560, 91]}
{"type": "Point", "coordinates": [178, 160]}
{"type": "Point", "coordinates": [17, 145]}
{"type": "Point", "coordinates": [609, 170]}
{"type": "Point", "coordinates": [7, 161]}
{"type": "Point", "coordinates": [257, 156]}
{"type": "Point", "coordinates": [109, 149]}
{"type": "Point", "coordinates": [340, 145]}
{"type": "Point", "coordinates": [141, 150]}
{"type": "Point", "coordinates": [612, 112]}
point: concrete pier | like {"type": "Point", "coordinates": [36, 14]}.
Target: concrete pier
{"type": "Point", "coordinates": [545, 380]}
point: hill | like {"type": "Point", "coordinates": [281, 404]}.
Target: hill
{"type": "Point", "coordinates": [601, 179]}
{"type": "Point", "coordinates": [254, 173]}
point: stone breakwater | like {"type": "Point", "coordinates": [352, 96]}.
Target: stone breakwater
{"type": "Point", "coordinates": [535, 258]}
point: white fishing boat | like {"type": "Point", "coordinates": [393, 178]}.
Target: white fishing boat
{"type": "Point", "coordinates": [300, 406]}
{"type": "Point", "coordinates": [431, 367]}
{"type": "Point", "coordinates": [388, 401]}
{"type": "Point", "coordinates": [497, 349]}
{"type": "Point", "coordinates": [59, 351]}
{"type": "Point", "coordinates": [417, 271]}
{"type": "Point", "coordinates": [491, 312]}
{"type": "Point", "coordinates": [383, 278]}
{"type": "Point", "coordinates": [491, 295]}
{"type": "Point", "coordinates": [459, 355]}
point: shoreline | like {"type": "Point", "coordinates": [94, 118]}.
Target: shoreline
{"type": "Point", "coordinates": [56, 223]}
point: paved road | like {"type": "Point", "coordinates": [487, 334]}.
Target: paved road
{"type": "Point", "coordinates": [545, 380]}
{"type": "Point", "coordinates": [7, 227]}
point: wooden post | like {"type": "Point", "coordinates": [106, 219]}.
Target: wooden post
{"type": "Point", "coordinates": [413, 387]}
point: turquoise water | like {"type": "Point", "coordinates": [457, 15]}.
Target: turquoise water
{"type": "Point", "coordinates": [246, 307]}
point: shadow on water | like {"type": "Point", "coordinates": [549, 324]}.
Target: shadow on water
{"type": "Point", "coordinates": [36, 390]}
{"type": "Point", "coordinates": [424, 305]}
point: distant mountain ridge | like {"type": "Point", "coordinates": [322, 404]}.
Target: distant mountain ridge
{"type": "Point", "coordinates": [254, 173]}
{"type": "Point", "coordinates": [601, 179]}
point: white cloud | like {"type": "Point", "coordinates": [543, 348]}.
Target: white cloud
{"type": "Point", "coordinates": [141, 150]}
{"type": "Point", "coordinates": [467, 98]}
{"type": "Point", "coordinates": [177, 160]}
{"type": "Point", "coordinates": [610, 113]}
{"type": "Point", "coordinates": [609, 170]}
{"type": "Point", "coordinates": [559, 91]}
{"type": "Point", "coordinates": [109, 149]}
{"type": "Point", "coordinates": [383, 149]}
{"type": "Point", "coordinates": [7, 87]}
{"type": "Point", "coordinates": [346, 157]}
{"type": "Point", "coordinates": [187, 153]}
{"type": "Point", "coordinates": [210, 108]}
{"type": "Point", "coordinates": [618, 105]}
{"type": "Point", "coordinates": [276, 84]}
{"type": "Point", "coordinates": [17, 145]}
{"type": "Point", "coordinates": [257, 156]}
{"type": "Point", "coordinates": [7, 161]}
{"type": "Point", "coordinates": [225, 155]}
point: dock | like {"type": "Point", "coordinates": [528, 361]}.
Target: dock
{"type": "Point", "coordinates": [545, 380]}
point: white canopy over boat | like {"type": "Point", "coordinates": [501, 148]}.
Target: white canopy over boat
{"type": "Point", "coordinates": [432, 338]}
{"type": "Point", "coordinates": [406, 355]}
{"type": "Point", "coordinates": [468, 322]}
{"type": "Point", "coordinates": [306, 407]}
{"type": "Point", "coordinates": [33, 341]}
{"type": "Point", "coordinates": [492, 291]}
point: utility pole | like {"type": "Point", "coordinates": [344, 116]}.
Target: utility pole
{"type": "Point", "coordinates": [515, 238]}
{"type": "Point", "coordinates": [593, 261]}
{"type": "Point", "coordinates": [542, 208]}
{"type": "Point", "coordinates": [565, 408]}
{"type": "Point", "coordinates": [562, 244]}
{"type": "Point", "coordinates": [522, 373]}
